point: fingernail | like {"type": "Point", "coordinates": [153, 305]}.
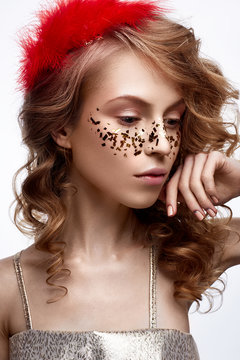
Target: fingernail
{"type": "Point", "coordinates": [198, 215]}
{"type": "Point", "coordinates": [211, 212]}
{"type": "Point", "coordinates": [170, 210]}
{"type": "Point", "coordinates": [214, 199]}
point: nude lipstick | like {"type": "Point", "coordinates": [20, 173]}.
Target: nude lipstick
{"type": "Point", "coordinates": [154, 176]}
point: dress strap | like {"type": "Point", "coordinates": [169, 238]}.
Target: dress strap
{"type": "Point", "coordinates": [22, 289]}
{"type": "Point", "coordinates": [152, 288]}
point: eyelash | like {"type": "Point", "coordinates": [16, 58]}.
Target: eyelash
{"type": "Point", "coordinates": [123, 120]}
{"type": "Point", "coordinates": [177, 122]}
{"type": "Point", "coordinates": [125, 123]}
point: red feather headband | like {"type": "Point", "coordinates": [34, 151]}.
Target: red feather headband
{"type": "Point", "coordinates": [70, 25]}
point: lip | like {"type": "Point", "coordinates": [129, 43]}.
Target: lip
{"type": "Point", "coordinates": [153, 176]}
{"type": "Point", "coordinates": [153, 172]}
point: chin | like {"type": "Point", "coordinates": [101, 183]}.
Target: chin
{"type": "Point", "coordinates": [140, 202]}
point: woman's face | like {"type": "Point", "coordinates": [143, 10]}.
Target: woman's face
{"type": "Point", "coordinates": [129, 124]}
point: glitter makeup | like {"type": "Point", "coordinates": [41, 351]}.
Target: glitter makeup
{"type": "Point", "coordinates": [120, 140]}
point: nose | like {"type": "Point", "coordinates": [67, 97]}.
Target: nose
{"type": "Point", "coordinates": [157, 140]}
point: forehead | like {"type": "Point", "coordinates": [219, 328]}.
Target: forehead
{"type": "Point", "coordinates": [127, 73]}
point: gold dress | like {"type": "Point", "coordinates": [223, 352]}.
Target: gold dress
{"type": "Point", "coordinates": [140, 344]}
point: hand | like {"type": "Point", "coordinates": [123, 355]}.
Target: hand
{"type": "Point", "coordinates": [204, 180]}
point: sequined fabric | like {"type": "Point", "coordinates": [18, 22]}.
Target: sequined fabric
{"type": "Point", "coordinates": [142, 344]}
{"type": "Point", "coordinates": [148, 344]}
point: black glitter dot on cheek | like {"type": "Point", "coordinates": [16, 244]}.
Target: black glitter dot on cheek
{"type": "Point", "coordinates": [138, 153]}
{"type": "Point", "coordinates": [95, 122]}
{"type": "Point", "coordinates": [103, 144]}
{"type": "Point", "coordinates": [105, 128]}
{"type": "Point", "coordinates": [97, 109]}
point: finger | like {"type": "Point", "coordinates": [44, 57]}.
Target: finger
{"type": "Point", "coordinates": [197, 186]}
{"type": "Point", "coordinates": [162, 195]}
{"type": "Point", "coordinates": [184, 188]}
{"type": "Point", "coordinates": [172, 192]}
{"type": "Point", "coordinates": [214, 161]}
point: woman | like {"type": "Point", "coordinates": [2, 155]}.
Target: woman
{"type": "Point", "coordinates": [128, 159]}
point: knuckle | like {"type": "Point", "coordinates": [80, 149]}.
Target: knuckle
{"type": "Point", "coordinates": [194, 185]}
{"type": "Point", "coordinates": [210, 189]}
{"type": "Point", "coordinates": [201, 155]}
{"type": "Point", "coordinates": [204, 177]}
{"type": "Point", "coordinates": [188, 159]}
{"type": "Point", "coordinates": [182, 186]}
{"type": "Point", "coordinates": [216, 154]}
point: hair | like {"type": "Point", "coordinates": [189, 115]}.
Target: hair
{"type": "Point", "coordinates": [187, 245]}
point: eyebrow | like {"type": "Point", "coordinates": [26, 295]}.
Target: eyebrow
{"type": "Point", "coordinates": [139, 101]}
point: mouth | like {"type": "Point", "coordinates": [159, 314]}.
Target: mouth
{"type": "Point", "coordinates": [153, 176]}
{"type": "Point", "coordinates": [155, 172]}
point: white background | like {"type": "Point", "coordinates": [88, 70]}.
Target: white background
{"type": "Point", "coordinates": [216, 22]}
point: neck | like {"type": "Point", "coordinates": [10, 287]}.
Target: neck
{"type": "Point", "coordinates": [97, 226]}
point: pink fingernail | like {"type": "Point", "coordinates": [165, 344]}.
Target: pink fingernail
{"type": "Point", "coordinates": [198, 215]}
{"type": "Point", "coordinates": [211, 212]}
{"type": "Point", "coordinates": [170, 210]}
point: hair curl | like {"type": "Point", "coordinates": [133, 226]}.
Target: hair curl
{"type": "Point", "coordinates": [187, 245]}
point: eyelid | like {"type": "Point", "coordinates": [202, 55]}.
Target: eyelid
{"type": "Point", "coordinates": [177, 123]}
{"type": "Point", "coordinates": [176, 112]}
{"type": "Point", "coordinates": [125, 123]}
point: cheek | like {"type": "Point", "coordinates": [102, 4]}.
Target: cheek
{"type": "Point", "coordinates": [174, 142]}
{"type": "Point", "coordinates": [118, 140]}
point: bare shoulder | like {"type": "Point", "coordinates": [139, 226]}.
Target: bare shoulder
{"type": "Point", "coordinates": [8, 289]}
{"type": "Point", "coordinates": [7, 278]}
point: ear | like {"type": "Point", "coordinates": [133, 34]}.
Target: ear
{"type": "Point", "coordinates": [62, 137]}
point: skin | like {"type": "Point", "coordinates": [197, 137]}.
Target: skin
{"type": "Point", "coordinates": [110, 268]}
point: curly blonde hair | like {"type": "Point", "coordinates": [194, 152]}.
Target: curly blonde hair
{"type": "Point", "coordinates": [187, 245]}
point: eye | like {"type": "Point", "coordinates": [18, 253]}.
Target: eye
{"type": "Point", "coordinates": [172, 123]}
{"type": "Point", "coordinates": [128, 120]}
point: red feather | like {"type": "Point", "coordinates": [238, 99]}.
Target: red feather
{"type": "Point", "coordinates": [69, 25]}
